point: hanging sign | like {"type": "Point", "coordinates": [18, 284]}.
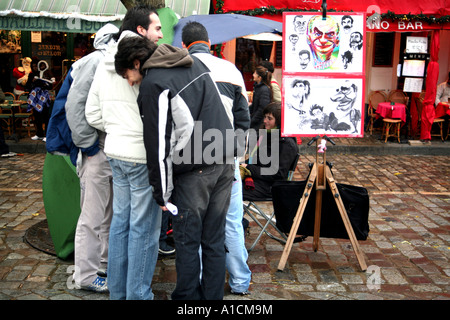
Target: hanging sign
{"type": "Point", "coordinates": [416, 44]}
{"type": "Point", "coordinates": [49, 24]}
{"type": "Point", "coordinates": [402, 26]}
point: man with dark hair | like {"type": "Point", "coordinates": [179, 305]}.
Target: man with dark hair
{"type": "Point", "coordinates": [112, 109]}
{"type": "Point", "coordinates": [180, 104]}
{"type": "Point", "coordinates": [143, 20]}
{"type": "Point", "coordinates": [232, 88]}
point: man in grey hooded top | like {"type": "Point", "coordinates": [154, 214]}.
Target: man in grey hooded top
{"type": "Point", "coordinates": [94, 171]}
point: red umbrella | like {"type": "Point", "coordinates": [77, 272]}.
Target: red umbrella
{"type": "Point", "coordinates": [430, 94]}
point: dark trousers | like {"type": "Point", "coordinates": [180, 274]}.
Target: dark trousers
{"type": "Point", "coordinates": [4, 148]}
{"type": "Point", "coordinates": [40, 119]}
{"type": "Point", "coordinates": [202, 198]}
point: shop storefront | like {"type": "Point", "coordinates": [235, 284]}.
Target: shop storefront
{"type": "Point", "coordinates": [56, 38]}
{"type": "Point", "coordinates": [400, 18]}
{"type": "Point", "coordinates": [60, 32]}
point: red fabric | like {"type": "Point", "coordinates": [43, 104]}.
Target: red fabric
{"type": "Point", "coordinates": [18, 74]}
{"type": "Point", "coordinates": [249, 184]}
{"type": "Point", "coordinates": [442, 109]}
{"type": "Point", "coordinates": [434, 7]}
{"type": "Point", "coordinates": [413, 113]}
{"type": "Point", "coordinates": [428, 112]}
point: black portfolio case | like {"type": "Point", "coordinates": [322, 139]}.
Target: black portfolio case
{"type": "Point", "coordinates": [286, 199]}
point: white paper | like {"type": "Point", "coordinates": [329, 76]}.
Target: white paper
{"type": "Point", "coordinates": [413, 85]}
{"type": "Point", "coordinates": [416, 44]}
{"type": "Point", "coordinates": [172, 208]}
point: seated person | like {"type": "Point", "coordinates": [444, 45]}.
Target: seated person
{"type": "Point", "coordinates": [257, 185]}
{"type": "Point", "coordinates": [443, 91]}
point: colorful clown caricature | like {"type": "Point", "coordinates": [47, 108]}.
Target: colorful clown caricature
{"type": "Point", "coordinates": [322, 37]}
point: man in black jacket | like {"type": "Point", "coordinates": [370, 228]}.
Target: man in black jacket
{"type": "Point", "coordinates": [232, 88]}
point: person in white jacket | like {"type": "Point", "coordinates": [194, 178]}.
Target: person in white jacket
{"type": "Point", "coordinates": [135, 228]}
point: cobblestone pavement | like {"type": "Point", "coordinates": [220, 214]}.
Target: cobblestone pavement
{"type": "Point", "coordinates": [407, 250]}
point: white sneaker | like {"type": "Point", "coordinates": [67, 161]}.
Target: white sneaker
{"type": "Point", "coordinates": [10, 154]}
{"type": "Point", "coordinates": [99, 285]}
{"type": "Point", "coordinates": [45, 139]}
{"type": "Point", "coordinates": [35, 138]}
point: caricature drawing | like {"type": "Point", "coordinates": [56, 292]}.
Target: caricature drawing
{"type": "Point", "coordinates": [346, 96]}
{"type": "Point", "coordinates": [347, 23]}
{"type": "Point", "coordinates": [347, 58]}
{"type": "Point", "coordinates": [319, 119]}
{"type": "Point", "coordinates": [301, 90]}
{"type": "Point", "coordinates": [304, 57]}
{"type": "Point", "coordinates": [322, 37]}
{"type": "Point", "coordinates": [356, 40]}
{"type": "Point", "coordinates": [323, 74]}
{"type": "Point", "coordinates": [299, 24]}
{"type": "Point", "coordinates": [293, 38]}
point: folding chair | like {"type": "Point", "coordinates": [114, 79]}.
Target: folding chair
{"type": "Point", "coordinates": [252, 209]}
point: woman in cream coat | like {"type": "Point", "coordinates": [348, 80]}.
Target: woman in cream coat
{"type": "Point", "coordinates": [135, 227]}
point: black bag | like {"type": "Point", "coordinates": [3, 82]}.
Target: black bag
{"type": "Point", "coordinates": [286, 200]}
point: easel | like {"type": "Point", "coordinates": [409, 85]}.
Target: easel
{"type": "Point", "coordinates": [320, 175]}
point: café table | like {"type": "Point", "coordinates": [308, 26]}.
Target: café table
{"type": "Point", "coordinates": [396, 111]}
{"type": "Point", "coordinates": [392, 114]}
{"type": "Point", "coordinates": [442, 109]}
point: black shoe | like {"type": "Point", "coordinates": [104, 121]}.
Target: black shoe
{"type": "Point", "coordinates": [244, 293]}
{"type": "Point", "coordinates": [165, 249]}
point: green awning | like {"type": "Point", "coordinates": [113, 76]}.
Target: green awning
{"type": "Point", "coordinates": [77, 15]}
{"type": "Point", "coordinates": [85, 7]}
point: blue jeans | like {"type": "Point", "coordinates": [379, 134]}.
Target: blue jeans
{"type": "Point", "coordinates": [236, 262]}
{"type": "Point", "coordinates": [134, 233]}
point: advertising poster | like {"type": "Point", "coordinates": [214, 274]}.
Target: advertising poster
{"type": "Point", "coordinates": [323, 74]}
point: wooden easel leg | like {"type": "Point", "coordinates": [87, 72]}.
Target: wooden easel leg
{"type": "Point", "coordinates": [298, 217]}
{"type": "Point", "coordinates": [346, 220]}
{"type": "Point", "coordinates": [317, 219]}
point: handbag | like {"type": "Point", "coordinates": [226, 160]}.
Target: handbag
{"type": "Point", "coordinates": [286, 200]}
